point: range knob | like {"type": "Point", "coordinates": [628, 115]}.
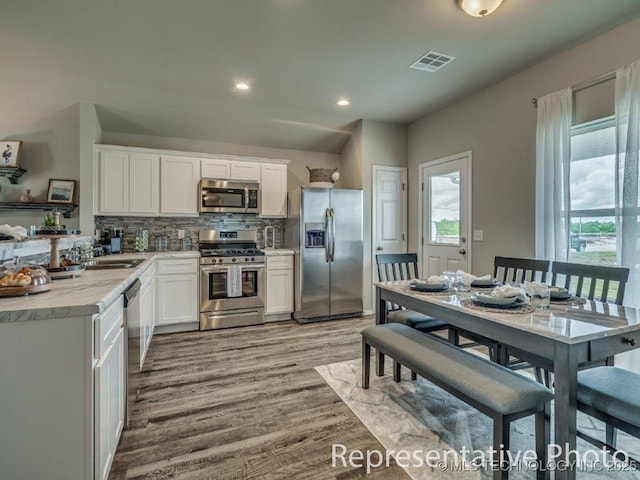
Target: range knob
{"type": "Point", "coordinates": [246, 259]}
{"type": "Point", "coordinates": [234, 259]}
{"type": "Point", "coordinates": [253, 259]}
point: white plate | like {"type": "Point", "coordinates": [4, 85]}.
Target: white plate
{"type": "Point", "coordinates": [491, 300]}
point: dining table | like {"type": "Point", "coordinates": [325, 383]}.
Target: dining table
{"type": "Point", "coordinates": [563, 336]}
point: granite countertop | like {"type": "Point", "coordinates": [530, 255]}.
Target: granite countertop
{"type": "Point", "coordinates": [86, 295]}
{"type": "Point", "coordinates": [275, 252]}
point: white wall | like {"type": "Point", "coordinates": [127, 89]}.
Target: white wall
{"type": "Point", "coordinates": [351, 160]}
{"type": "Point", "coordinates": [90, 134]}
{"type": "Point", "coordinates": [372, 143]}
{"type": "Point", "coordinates": [499, 125]}
{"type": "Point", "coordinates": [50, 150]}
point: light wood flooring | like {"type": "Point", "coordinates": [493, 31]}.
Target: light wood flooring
{"type": "Point", "coordinates": [245, 403]}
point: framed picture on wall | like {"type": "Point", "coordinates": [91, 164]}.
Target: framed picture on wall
{"type": "Point", "coordinates": [61, 191]}
{"type": "Point", "coordinates": [11, 150]}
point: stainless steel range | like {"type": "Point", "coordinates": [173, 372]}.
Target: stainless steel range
{"type": "Point", "coordinates": [231, 279]}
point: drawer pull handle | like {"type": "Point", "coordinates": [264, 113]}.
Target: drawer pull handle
{"type": "Point", "coordinates": [629, 341]}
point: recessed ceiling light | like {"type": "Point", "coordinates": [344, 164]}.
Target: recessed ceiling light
{"type": "Point", "coordinates": [242, 86]}
{"type": "Point", "coordinates": [343, 102]}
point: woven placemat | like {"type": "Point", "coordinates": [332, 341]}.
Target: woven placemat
{"type": "Point", "coordinates": [569, 301]}
{"type": "Point", "coordinates": [468, 303]}
{"type": "Point", "coordinates": [448, 291]}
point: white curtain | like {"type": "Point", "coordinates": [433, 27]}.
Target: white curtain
{"type": "Point", "coordinates": [627, 175]}
{"type": "Point", "coordinates": [553, 156]}
{"type": "Point", "coordinates": [627, 181]}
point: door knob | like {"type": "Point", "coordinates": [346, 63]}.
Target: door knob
{"type": "Point", "coordinates": [379, 248]}
{"type": "Point", "coordinates": [462, 251]}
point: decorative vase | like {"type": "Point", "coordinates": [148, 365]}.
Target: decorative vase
{"type": "Point", "coordinates": [26, 196]}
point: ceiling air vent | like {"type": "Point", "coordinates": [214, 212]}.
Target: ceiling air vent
{"type": "Point", "coordinates": [432, 61]}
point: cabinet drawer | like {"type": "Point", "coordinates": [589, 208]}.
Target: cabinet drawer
{"type": "Point", "coordinates": [280, 262]}
{"type": "Point", "coordinates": [605, 347]}
{"type": "Point", "coordinates": [171, 266]}
{"type": "Point", "coordinates": [108, 325]}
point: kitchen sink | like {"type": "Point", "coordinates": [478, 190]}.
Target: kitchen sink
{"type": "Point", "coordinates": [112, 264]}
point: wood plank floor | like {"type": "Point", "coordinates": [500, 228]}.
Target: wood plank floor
{"type": "Point", "coordinates": [245, 403]}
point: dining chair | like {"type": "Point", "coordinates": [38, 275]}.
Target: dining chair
{"type": "Point", "coordinates": [404, 266]}
{"type": "Point", "coordinates": [519, 270]}
{"type": "Point", "coordinates": [593, 282]}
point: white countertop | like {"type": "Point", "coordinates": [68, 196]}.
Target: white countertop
{"type": "Point", "coordinates": [86, 295]}
{"type": "Point", "coordinates": [275, 252]}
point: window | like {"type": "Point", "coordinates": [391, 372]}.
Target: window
{"type": "Point", "coordinates": [592, 191]}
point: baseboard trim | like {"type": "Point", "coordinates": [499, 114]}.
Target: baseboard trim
{"type": "Point", "coordinates": [178, 327]}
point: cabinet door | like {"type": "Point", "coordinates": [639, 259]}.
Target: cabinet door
{"type": "Point", "coordinates": [218, 169]}
{"type": "Point", "coordinates": [279, 291]}
{"type": "Point", "coordinates": [245, 171]}
{"type": "Point", "coordinates": [147, 310]}
{"type": "Point", "coordinates": [144, 183]}
{"type": "Point", "coordinates": [273, 191]}
{"type": "Point", "coordinates": [110, 383]}
{"type": "Point", "coordinates": [114, 182]}
{"type": "Point", "coordinates": [179, 186]}
{"type": "Point", "coordinates": [177, 299]}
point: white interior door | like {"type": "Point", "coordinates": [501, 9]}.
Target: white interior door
{"type": "Point", "coordinates": [389, 215]}
{"type": "Point", "coordinates": [446, 215]}
{"type": "Point", "coordinates": [390, 210]}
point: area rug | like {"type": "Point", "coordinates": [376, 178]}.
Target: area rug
{"type": "Point", "coordinates": [420, 417]}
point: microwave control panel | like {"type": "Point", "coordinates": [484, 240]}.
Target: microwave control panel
{"type": "Point", "coordinates": [253, 199]}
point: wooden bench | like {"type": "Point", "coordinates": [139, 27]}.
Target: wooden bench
{"type": "Point", "coordinates": [492, 389]}
{"type": "Point", "coordinates": [611, 395]}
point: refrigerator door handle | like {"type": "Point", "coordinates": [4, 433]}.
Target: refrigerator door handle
{"type": "Point", "coordinates": [327, 233]}
{"type": "Point", "coordinates": [333, 235]}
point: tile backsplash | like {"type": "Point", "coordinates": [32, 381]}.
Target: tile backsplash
{"type": "Point", "coordinates": [170, 226]}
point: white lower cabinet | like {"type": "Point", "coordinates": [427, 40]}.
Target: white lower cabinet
{"type": "Point", "coordinates": [109, 401]}
{"type": "Point", "coordinates": [177, 291]}
{"type": "Point", "coordinates": [279, 285]}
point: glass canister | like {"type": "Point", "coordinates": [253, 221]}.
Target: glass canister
{"type": "Point", "coordinates": [141, 241]}
{"type": "Point", "coordinates": [186, 244]}
{"type": "Point", "coordinates": [163, 243]}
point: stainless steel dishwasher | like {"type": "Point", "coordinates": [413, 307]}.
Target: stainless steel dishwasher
{"type": "Point", "coordinates": [132, 324]}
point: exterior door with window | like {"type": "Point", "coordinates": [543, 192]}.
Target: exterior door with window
{"type": "Point", "coordinates": [446, 215]}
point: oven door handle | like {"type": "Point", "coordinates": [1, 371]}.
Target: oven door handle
{"type": "Point", "coordinates": [245, 268]}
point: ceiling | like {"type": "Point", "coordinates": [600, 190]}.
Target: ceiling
{"type": "Point", "coordinates": [166, 67]}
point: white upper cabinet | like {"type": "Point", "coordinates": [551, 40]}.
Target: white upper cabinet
{"type": "Point", "coordinates": [113, 183]}
{"type": "Point", "coordinates": [144, 185]}
{"type": "Point", "coordinates": [273, 190]}
{"type": "Point", "coordinates": [179, 178]}
{"type": "Point", "coordinates": [128, 184]}
{"type": "Point", "coordinates": [214, 168]}
{"type": "Point", "coordinates": [245, 171]}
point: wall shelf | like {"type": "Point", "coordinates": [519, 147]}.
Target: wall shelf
{"type": "Point", "coordinates": [63, 208]}
{"type": "Point", "coordinates": [13, 174]}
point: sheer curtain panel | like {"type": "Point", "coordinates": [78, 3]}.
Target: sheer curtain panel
{"type": "Point", "coordinates": [553, 156]}
{"type": "Point", "coordinates": [627, 175]}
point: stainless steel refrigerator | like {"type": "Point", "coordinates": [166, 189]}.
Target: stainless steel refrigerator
{"type": "Point", "coordinates": [324, 228]}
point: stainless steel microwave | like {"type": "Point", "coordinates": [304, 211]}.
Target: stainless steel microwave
{"type": "Point", "coordinates": [221, 196]}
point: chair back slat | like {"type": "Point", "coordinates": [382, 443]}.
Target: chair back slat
{"type": "Point", "coordinates": [518, 270]}
{"type": "Point", "coordinates": [601, 280]}
{"type": "Point", "coordinates": [396, 266]}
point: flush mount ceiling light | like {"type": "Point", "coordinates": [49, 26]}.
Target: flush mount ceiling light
{"type": "Point", "coordinates": [343, 102]}
{"type": "Point", "coordinates": [479, 8]}
{"type": "Point", "coordinates": [242, 86]}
